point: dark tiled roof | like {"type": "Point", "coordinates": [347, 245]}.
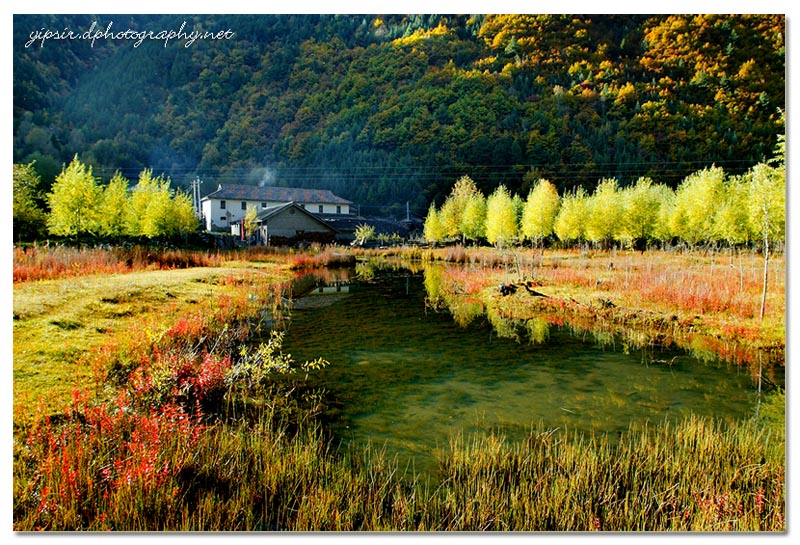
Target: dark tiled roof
{"type": "Point", "coordinates": [271, 193]}
{"type": "Point", "coordinates": [349, 223]}
{"type": "Point", "coordinates": [266, 213]}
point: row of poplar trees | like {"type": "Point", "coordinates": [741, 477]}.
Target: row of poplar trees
{"type": "Point", "coordinates": [78, 205]}
{"type": "Point", "coordinates": [708, 207]}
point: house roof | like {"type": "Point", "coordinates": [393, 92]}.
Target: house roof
{"type": "Point", "coordinates": [271, 211]}
{"type": "Point", "coordinates": [272, 193]}
{"type": "Point", "coordinates": [348, 224]}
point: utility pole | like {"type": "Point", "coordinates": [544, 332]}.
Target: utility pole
{"type": "Point", "coordinates": [196, 196]}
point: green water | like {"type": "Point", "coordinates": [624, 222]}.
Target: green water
{"type": "Point", "coordinates": [408, 378]}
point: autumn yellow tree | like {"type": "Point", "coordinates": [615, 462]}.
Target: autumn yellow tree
{"type": "Point", "coordinates": [570, 221]}
{"type": "Point", "coordinates": [154, 210]}
{"type": "Point", "coordinates": [696, 201]}
{"type": "Point", "coordinates": [732, 219]}
{"type": "Point", "coordinates": [74, 201]}
{"type": "Point", "coordinates": [183, 216]}
{"type": "Point", "coordinates": [641, 206]}
{"type": "Point", "coordinates": [501, 218]}
{"type": "Point", "coordinates": [433, 230]}
{"type": "Point", "coordinates": [473, 220]}
{"type": "Point", "coordinates": [540, 211]}
{"type": "Point", "coordinates": [604, 213]}
{"type": "Point", "coordinates": [28, 218]}
{"type": "Point", "coordinates": [113, 205]}
{"type": "Point", "coordinates": [768, 212]}
{"type": "Point", "coordinates": [250, 220]}
{"type": "Point", "coordinates": [451, 214]}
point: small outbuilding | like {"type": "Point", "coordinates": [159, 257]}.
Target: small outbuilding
{"type": "Point", "coordinates": [290, 223]}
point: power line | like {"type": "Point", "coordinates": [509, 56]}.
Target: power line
{"type": "Point", "coordinates": [433, 169]}
{"type": "Point", "coordinates": [351, 179]}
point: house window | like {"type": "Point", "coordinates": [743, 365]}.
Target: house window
{"type": "Point", "coordinates": [263, 205]}
{"type": "Point", "coordinates": [223, 218]}
{"type": "Point", "coordinates": [222, 205]}
{"type": "Point", "coordinates": [320, 209]}
{"type": "Point", "coordinates": [244, 205]}
{"type": "Point", "coordinates": [338, 209]}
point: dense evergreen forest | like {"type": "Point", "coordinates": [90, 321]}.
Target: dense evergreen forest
{"type": "Point", "coordinates": [385, 110]}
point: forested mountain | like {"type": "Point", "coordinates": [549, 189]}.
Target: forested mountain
{"type": "Point", "coordinates": [388, 109]}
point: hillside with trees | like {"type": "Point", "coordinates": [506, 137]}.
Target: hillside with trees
{"type": "Point", "coordinates": [385, 110]}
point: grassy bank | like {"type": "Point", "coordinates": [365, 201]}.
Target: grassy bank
{"type": "Point", "coordinates": [60, 323]}
{"type": "Point", "coordinates": [163, 420]}
{"type": "Point", "coordinates": [705, 302]}
{"type": "Point", "coordinates": [44, 262]}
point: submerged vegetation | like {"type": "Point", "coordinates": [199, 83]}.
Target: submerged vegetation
{"type": "Point", "coordinates": [197, 420]}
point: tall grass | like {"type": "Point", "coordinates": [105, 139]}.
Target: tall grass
{"type": "Point", "coordinates": [167, 471]}
{"type": "Point", "coordinates": [687, 283]}
{"type": "Point", "coordinates": [45, 262]}
{"type": "Point", "coordinates": [38, 262]}
{"type": "Point", "coordinates": [318, 257]}
{"type": "Point", "coordinates": [698, 475]}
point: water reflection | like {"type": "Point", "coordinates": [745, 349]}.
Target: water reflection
{"type": "Point", "coordinates": [466, 309]}
{"type": "Point", "coordinates": [411, 365]}
{"type": "Point", "coordinates": [445, 289]}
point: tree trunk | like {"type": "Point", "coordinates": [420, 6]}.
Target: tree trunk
{"type": "Point", "coordinates": [766, 269]}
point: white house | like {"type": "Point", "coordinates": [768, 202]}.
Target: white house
{"type": "Point", "coordinates": [230, 202]}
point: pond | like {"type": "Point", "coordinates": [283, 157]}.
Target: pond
{"type": "Point", "coordinates": [408, 378]}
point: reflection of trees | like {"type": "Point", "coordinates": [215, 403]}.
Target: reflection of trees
{"type": "Point", "coordinates": [538, 330]}
{"type": "Point", "coordinates": [465, 310]}
{"type": "Point", "coordinates": [505, 327]}
{"type": "Point", "coordinates": [535, 330]}
{"type": "Point", "coordinates": [443, 293]}
{"type": "Point", "coordinates": [433, 285]}
{"type": "Point", "coordinates": [440, 295]}
{"type": "Point", "coordinates": [365, 270]}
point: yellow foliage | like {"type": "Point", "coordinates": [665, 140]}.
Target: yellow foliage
{"type": "Point", "coordinates": [420, 35]}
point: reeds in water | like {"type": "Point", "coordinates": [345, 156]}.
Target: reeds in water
{"type": "Point", "coordinates": [260, 473]}
{"type": "Point", "coordinates": [693, 476]}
